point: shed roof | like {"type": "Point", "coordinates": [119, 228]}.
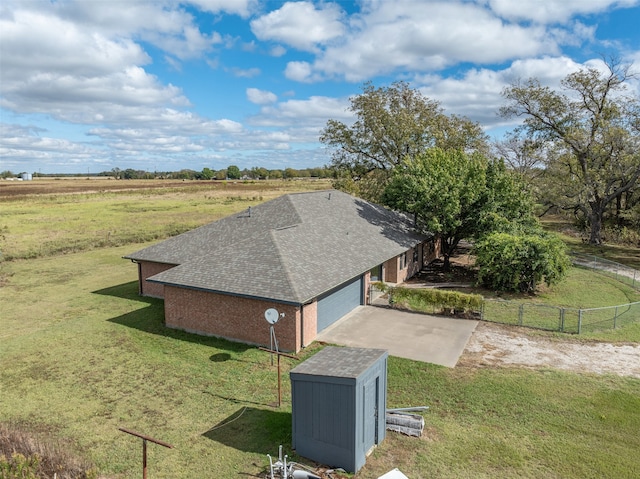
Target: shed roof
{"type": "Point", "coordinates": [339, 362]}
{"type": "Point", "coordinates": [290, 249]}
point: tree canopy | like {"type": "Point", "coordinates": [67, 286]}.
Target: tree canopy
{"type": "Point", "coordinates": [391, 124]}
{"type": "Point", "coordinates": [591, 136]}
{"type": "Point", "coordinates": [457, 196]}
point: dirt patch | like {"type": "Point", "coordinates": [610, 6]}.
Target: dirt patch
{"type": "Point", "coordinates": [495, 345]}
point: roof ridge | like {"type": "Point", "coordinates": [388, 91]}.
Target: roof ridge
{"type": "Point", "coordinates": [282, 261]}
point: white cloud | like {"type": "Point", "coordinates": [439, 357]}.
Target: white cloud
{"type": "Point", "coordinates": [32, 42]}
{"type": "Point", "coordinates": [187, 44]}
{"type": "Point", "coordinates": [301, 25]}
{"type": "Point", "coordinates": [244, 72]}
{"type": "Point", "coordinates": [278, 51]}
{"type": "Point", "coordinates": [239, 7]}
{"type": "Point", "coordinates": [313, 113]}
{"type": "Point", "coordinates": [261, 97]}
{"type": "Point", "coordinates": [53, 66]}
{"type": "Point", "coordinates": [477, 94]}
{"type": "Point", "coordinates": [23, 146]}
{"type": "Point", "coordinates": [410, 36]}
{"type": "Point", "coordinates": [299, 71]}
{"type": "Point", "coordinates": [553, 11]}
{"type": "Point", "coordinates": [574, 34]}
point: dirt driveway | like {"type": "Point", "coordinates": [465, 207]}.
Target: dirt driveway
{"type": "Point", "coordinates": [494, 345]}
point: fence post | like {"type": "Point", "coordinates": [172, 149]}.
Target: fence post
{"type": "Point", "coordinates": [579, 321]}
{"type": "Point", "coordinates": [562, 320]}
{"type": "Point", "coordinates": [615, 318]}
{"type": "Point", "coordinates": [520, 314]}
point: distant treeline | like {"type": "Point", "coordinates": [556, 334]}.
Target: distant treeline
{"type": "Point", "coordinates": [230, 173]}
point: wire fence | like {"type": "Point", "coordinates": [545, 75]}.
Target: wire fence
{"type": "Point", "coordinates": [557, 318]}
{"type": "Point", "coordinates": [571, 320]}
{"type": "Point", "coordinates": [624, 274]}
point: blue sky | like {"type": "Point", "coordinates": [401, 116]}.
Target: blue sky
{"type": "Point", "coordinates": [92, 85]}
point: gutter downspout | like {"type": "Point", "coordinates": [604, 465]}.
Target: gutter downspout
{"type": "Point", "coordinates": [139, 276]}
{"type": "Point", "coordinates": [302, 326]}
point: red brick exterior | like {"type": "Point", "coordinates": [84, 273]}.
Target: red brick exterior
{"type": "Point", "coordinates": [242, 319]}
{"type": "Point", "coordinates": [146, 270]}
{"type": "Point", "coordinates": [399, 269]}
{"type": "Point", "coordinates": [310, 323]}
{"type": "Point", "coordinates": [232, 317]}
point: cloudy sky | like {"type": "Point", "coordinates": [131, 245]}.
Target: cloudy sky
{"type": "Point", "coordinates": [91, 85]}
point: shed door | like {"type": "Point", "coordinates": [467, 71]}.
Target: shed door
{"type": "Point", "coordinates": [370, 412]}
{"type": "Point", "coordinates": [337, 303]}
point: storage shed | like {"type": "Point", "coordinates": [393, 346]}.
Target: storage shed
{"type": "Point", "coordinates": [339, 400]}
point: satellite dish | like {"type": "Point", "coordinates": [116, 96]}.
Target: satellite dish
{"type": "Point", "coordinates": [271, 315]}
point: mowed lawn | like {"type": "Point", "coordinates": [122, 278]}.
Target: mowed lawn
{"type": "Point", "coordinates": [81, 354]}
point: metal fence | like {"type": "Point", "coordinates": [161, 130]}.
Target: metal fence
{"type": "Point", "coordinates": [622, 273]}
{"type": "Point", "coordinates": [555, 318]}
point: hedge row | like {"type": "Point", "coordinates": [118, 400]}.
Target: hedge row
{"type": "Point", "coordinates": [436, 298]}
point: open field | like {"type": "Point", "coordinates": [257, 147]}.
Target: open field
{"type": "Point", "coordinates": [46, 217]}
{"type": "Point", "coordinates": [81, 354]}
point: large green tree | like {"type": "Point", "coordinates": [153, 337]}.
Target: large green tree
{"type": "Point", "coordinates": [590, 129]}
{"type": "Point", "coordinates": [391, 124]}
{"type": "Point", "coordinates": [457, 196]}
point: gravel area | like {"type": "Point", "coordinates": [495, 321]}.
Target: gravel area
{"type": "Point", "coordinates": [495, 345]}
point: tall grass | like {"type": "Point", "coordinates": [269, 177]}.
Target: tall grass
{"type": "Point", "coordinates": [81, 355]}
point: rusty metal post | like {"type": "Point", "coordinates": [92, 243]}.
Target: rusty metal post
{"type": "Point", "coordinates": [279, 384]}
{"type": "Point", "coordinates": [144, 459]}
{"type": "Point", "coordinates": [145, 438]}
{"type": "Point", "coordinates": [278, 353]}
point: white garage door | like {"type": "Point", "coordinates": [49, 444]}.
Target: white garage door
{"type": "Point", "coordinates": [337, 303]}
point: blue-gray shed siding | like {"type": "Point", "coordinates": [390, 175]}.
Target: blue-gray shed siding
{"type": "Point", "coordinates": [332, 416]}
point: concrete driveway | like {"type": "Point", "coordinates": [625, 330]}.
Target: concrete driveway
{"type": "Point", "coordinates": [421, 337]}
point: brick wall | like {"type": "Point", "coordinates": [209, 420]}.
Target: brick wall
{"type": "Point", "coordinates": [390, 269]}
{"type": "Point", "coordinates": [146, 270]}
{"type": "Point", "coordinates": [235, 318]}
{"type": "Point", "coordinates": [402, 267]}
{"type": "Point", "coordinates": [310, 328]}
{"type": "Point", "coordinates": [367, 287]}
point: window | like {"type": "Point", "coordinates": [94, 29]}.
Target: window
{"type": "Point", "coordinates": [376, 273]}
{"type": "Point", "coordinates": [403, 260]}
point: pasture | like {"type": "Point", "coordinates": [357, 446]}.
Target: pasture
{"type": "Point", "coordinates": [81, 354]}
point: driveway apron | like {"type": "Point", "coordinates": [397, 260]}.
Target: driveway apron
{"type": "Point", "coordinates": [416, 336]}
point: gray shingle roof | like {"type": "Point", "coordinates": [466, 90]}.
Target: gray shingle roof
{"type": "Point", "coordinates": [291, 249]}
{"type": "Point", "coordinates": [339, 362]}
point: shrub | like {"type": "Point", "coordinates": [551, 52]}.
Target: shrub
{"type": "Point", "coordinates": [519, 262]}
{"type": "Point", "coordinates": [439, 300]}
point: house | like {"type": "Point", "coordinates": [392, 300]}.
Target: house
{"type": "Point", "coordinates": [311, 256]}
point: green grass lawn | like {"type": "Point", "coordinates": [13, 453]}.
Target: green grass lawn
{"type": "Point", "coordinates": [584, 289]}
{"type": "Point", "coordinates": [81, 354]}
